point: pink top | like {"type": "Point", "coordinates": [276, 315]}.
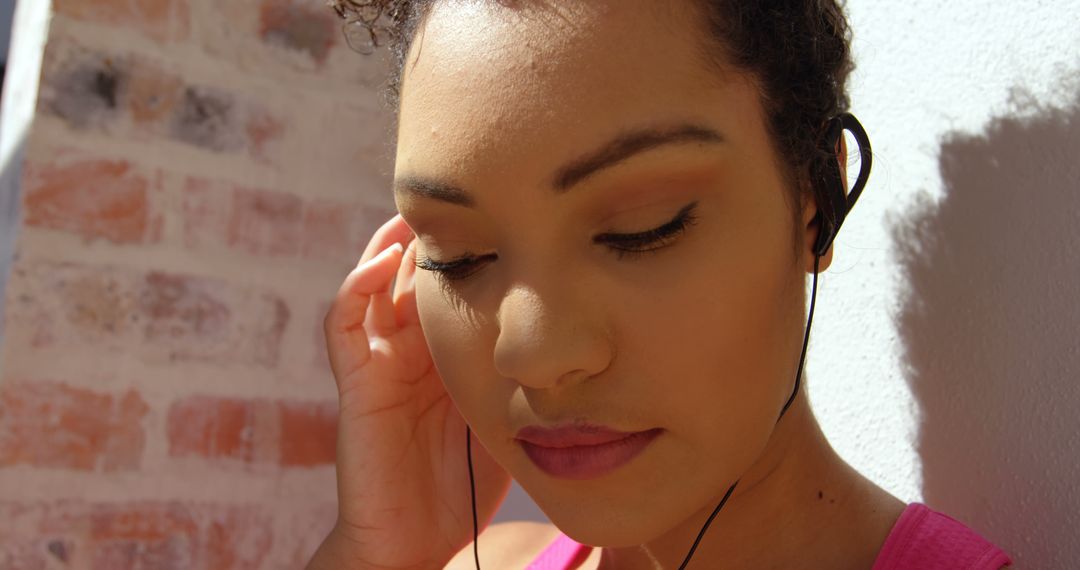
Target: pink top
{"type": "Point", "coordinates": [921, 538]}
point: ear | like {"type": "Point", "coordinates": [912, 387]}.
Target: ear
{"type": "Point", "coordinates": [810, 210]}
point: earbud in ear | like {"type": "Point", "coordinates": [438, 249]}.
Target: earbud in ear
{"type": "Point", "coordinates": [838, 201]}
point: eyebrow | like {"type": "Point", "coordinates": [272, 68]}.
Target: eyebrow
{"type": "Point", "coordinates": [615, 151]}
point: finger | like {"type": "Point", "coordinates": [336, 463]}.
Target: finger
{"type": "Point", "coordinates": [405, 289]}
{"type": "Point", "coordinates": [395, 230]}
{"type": "Point", "coordinates": [407, 269]}
{"type": "Point", "coordinates": [381, 320]}
{"type": "Point", "coordinates": [346, 339]}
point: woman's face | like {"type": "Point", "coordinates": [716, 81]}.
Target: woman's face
{"type": "Point", "coordinates": [529, 134]}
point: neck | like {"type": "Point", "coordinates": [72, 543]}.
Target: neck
{"type": "Point", "coordinates": [799, 505]}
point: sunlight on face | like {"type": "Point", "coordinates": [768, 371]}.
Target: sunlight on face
{"type": "Point", "coordinates": [532, 141]}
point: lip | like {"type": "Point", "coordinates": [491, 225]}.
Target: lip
{"type": "Point", "coordinates": [582, 451]}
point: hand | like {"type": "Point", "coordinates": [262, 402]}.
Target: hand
{"type": "Point", "coordinates": [402, 475]}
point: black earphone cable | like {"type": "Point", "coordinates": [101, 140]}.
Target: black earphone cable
{"type": "Point", "coordinates": [806, 339]}
{"type": "Point", "coordinates": [794, 393]}
{"type": "Point", "coordinates": [472, 486]}
{"type": "Point", "coordinates": [826, 232]}
{"type": "Point", "coordinates": [727, 495]}
{"type": "Point", "coordinates": [701, 533]}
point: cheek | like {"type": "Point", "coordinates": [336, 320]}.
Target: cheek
{"type": "Point", "coordinates": [724, 362]}
{"type": "Point", "coordinates": [447, 330]}
{"type": "Point", "coordinates": [462, 353]}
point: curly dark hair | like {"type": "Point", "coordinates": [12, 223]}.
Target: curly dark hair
{"type": "Point", "coordinates": [798, 50]}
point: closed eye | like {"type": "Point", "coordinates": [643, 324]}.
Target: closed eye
{"type": "Point", "coordinates": [633, 245]}
{"type": "Point", "coordinates": [454, 270]}
{"type": "Point", "coordinates": [650, 240]}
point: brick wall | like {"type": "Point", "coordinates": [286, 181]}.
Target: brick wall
{"type": "Point", "coordinates": [199, 177]}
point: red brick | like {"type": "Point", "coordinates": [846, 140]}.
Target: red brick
{"type": "Point", "coordinates": [223, 122]}
{"type": "Point", "coordinates": [81, 85]}
{"type": "Point", "coordinates": [205, 214]}
{"type": "Point", "coordinates": [150, 95]}
{"type": "Point", "coordinates": [208, 117]}
{"type": "Point", "coordinates": [302, 25]}
{"type": "Point", "coordinates": [123, 94]}
{"type": "Point", "coordinates": [61, 303]}
{"type": "Point", "coordinates": [153, 316]}
{"type": "Point", "coordinates": [138, 535]}
{"type": "Point", "coordinates": [366, 220]}
{"type": "Point", "coordinates": [128, 96]}
{"type": "Point", "coordinates": [326, 230]}
{"type": "Point", "coordinates": [214, 427]}
{"type": "Point", "coordinates": [97, 306]}
{"type": "Point", "coordinates": [201, 319]}
{"type": "Point", "coordinates": [143, 524]}
{"type": "Point", "coordinates": [216, 214]}
{"type": "Point", "coordinates": [308, 433]}
{"type": "Point", "coordinates": [238, 538]}
{"type": "Point", "coordinates": [29, 554]}
{"type": "Point", "coordinates": [263, 131]}
{"type": "Point", "coordinates": [302, 529]}
{"type": "Point", "coordinates": [53, 425]}
{"type": "Point", "coordinates": [265, 222]}
{"type": "Point", "coordinates": [179, 307]}
{"type": "Point", "coordinates": [130, 536]}
{"type": "Point", "coordinates": [94, 198]}
{"type": "Point", "coordinates": [260, 431]}
{"type": "Point", "coordinates": [162, 20]}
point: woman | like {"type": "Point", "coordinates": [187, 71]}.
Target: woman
{"type": "Point", "coordinates": [613, 206]}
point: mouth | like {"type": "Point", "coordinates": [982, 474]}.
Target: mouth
{"type": "Point", "coordinates": [581, 452]}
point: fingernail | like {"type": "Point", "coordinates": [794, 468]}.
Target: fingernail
{"type": "Point", "coordinates": [386, 252]}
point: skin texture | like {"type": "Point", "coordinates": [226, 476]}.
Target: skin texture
{"type": "Point", "coordinates": [700, 337]}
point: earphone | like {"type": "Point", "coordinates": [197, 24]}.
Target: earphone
{"type": "Point", "coordinates": [831, 214]}
{"type": "Point", "coordinates": [839, 202]}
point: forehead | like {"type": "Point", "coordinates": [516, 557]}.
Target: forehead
{"type": "Point", "coordinates": [492, 85]}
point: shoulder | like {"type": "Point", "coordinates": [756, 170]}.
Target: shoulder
{"type": "Point", "coordinates": [506, 545]}
{"type": "Point", "coordinates": [925, 538]}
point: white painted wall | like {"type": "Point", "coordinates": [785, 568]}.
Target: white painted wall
{"type": "Point", "coordinates": [945, 363]}
{"type": "Point", "coordinates": [944, 358]}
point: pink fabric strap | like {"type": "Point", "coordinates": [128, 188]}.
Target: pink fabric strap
{"type": "Point", "coordinates": [921, 538]}
{"type": "Point", "coordinates": [558, 555]}
{"type": "Point", "coordinates": [926, 539]}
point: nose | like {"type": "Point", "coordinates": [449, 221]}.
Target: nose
{"type": "Point", "coordinates": [551, 339]}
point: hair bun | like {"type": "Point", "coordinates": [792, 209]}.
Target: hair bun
{"type": "Point", "coordinates": [366, 11]}
{"type": "Point", "coordinates": [369, 24]}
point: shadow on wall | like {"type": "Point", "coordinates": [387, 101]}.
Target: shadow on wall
{"type": "Point", "coordinates": [991, 328]}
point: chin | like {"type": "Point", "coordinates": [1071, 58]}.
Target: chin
{"type": "Point", "coordinates": [608, 529]}
{"type": "Point", "coordinates": [604, 516]}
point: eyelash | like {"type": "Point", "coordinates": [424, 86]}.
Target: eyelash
{"type": "Point", "coordinates": [631, 246]}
